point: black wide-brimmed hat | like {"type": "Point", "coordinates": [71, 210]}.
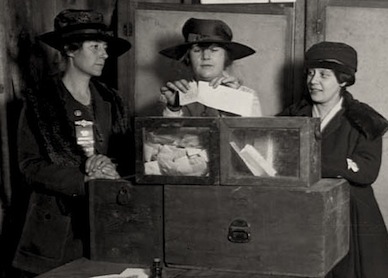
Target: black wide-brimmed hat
{"type": "Point", "coordinates": [207, 31]}
{"type": "Point", "coordinates": [78, 25]}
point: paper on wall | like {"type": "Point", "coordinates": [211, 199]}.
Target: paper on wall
{"type": "Point", "coordinates": [222, 98]}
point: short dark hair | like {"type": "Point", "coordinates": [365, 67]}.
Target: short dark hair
{"type": "Point", "coordinates": [71, 46]}
{"type": "Point", "coordinates": [186, 57]}
{"type": "Point", "coordinates": [349, 79]}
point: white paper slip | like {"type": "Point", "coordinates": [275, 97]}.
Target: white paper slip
{"type": "Point", "coordinates": [128, 273]}
{"type": "Point", "coordinates": [255, 162]}
{"type": "Point", "coordinates": [221, 98]}
{"type": "Point", "coordinates": [258, 165]}
{"type": "Point", "coordinates": [191, 96]}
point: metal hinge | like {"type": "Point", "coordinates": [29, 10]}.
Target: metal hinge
{"type": "Point", "coordinates": [318, 26]}
{"type": "Point", "coordinates": [127, 29]}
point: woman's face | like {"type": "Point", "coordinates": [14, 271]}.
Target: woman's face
{"type": "Point", "coordinates": [207, 62]}
{"type": "Point", "coordinates": [90, 58]}
{"type": "Point", "coordinates": [323, 86]}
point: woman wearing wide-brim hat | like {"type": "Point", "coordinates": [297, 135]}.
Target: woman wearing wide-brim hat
{"type": "Point", "coordinates": [208, 49]}
{"type": "Point", "coordinates": [352, 134]}
{"type": "Point", "coordinates": [70, 131]}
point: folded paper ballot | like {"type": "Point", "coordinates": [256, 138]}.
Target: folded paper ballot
{"type": "Point", "coordinates": [128, 273]}
{"type": "Point", "coordinates": [175, 155]}
{"type": "Point", "coordinates": [255, 162]}
{"type": "Point", "coordinates": [222, 98]}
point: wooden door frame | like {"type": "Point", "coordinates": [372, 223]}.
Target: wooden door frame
{"type": "Point", "coordinates": [316, 15]}
{"type": "Point", "coordinates": [126, 25]}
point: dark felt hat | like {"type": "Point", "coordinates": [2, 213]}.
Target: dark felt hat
{"type": "Point", "coordinates": [78, 25]}
{"type": "Point", "coordinates": [207, 31]}
{"type": "Point", "coordinates": [332, 55]}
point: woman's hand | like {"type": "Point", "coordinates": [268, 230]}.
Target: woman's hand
{"type": "Point", "coordinates": [102, 174]}
{"type": "Point", "coordinates": [227, 80]}
{"type": "Point", "coordinates": [100, 167]}
{"type": "Point", "coordinates": [170, 90]}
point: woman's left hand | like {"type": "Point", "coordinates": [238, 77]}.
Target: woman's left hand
{"type": "Point", "coordinates": [97, 163]}
{"type": "Point", "coordinates": [227, 80]}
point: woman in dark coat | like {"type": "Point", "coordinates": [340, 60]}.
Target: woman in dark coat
{"type": "Point", "coordinates": [73, 129]}
{"type": "Point", "coordinates": [351, 148]}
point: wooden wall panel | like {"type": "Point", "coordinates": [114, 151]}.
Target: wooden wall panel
{"type": "Point", "coordinates": [268, 29]}
{"type": "Point", "coordinates": [4, 176]}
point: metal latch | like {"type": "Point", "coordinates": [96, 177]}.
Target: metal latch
{"type": "Point", "coordinates": [239, 231]}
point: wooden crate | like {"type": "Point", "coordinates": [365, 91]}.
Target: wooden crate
{"type": "Point", "coordinates": [286, 151]}
{"type": "Point", "coordinates": [176, 136]}
{"type": "Point", "coordinates": [126, 222]}
{"type": "Point", "coordinates": [292, 231]}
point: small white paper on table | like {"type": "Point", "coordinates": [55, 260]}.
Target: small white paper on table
{"type": "Point", "coordinates": [128, 273]}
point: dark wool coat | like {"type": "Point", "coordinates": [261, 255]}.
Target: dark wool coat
{"type": "Point", "coordinates": [199, 110]}
{"type": "Point", "coordinates": [51, 161]}
{"type": "Point", "coordinates": [356, 132]}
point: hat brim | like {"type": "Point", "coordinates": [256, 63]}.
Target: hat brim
{"type": "Point", "coordinates": [329, 65]}
{"type": "Point", "coordinates": [236, 50]}
{"type": "Point", "coordinates": [116, 46]}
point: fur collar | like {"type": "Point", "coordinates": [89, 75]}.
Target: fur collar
{"type": "Point", "coordinates": [53, 130]}
{"type": "Point", "coordinates": [364, 118]}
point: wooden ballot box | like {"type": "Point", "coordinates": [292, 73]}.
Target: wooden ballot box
{"type": "Point", "coordinates": [126, 222]}
{"type": "Point", "coordinates": [283, 151]}
{"type": "Point", "coordinates": [240, 195]}
{"type": "Point", "coordinates": [177, 150]}
{"type": "Point", "coordinates": [277, 151]}
{"type": "Point", "coordinates": [291, 231]}
{"type": "Point", "coordinates": [260, 230]}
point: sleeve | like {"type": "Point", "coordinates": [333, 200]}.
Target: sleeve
{"type": "Point", "coordinates": [361, 167]}
{"type": "Point", "coordinates": [256, 105]}
{"type": "Point", "coordinates": [42, 173]}
{"type": "Point", "coordinates": [176, 112]}
{"type": "Point", "coordinates": [286, 112]}
{"type": "Point", "coordinates": [169, 113]}
{"type": "Point", "coordinates": [124, 153]}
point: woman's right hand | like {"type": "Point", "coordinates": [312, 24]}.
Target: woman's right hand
{"type": "Point", "coordinates": [170, 90]}
{"type": "Point", "coordinates": [102, 174]}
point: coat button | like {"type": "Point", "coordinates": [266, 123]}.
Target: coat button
{"type": "Point", "coordinates": [77, 113]}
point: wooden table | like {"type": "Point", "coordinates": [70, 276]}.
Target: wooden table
{"type": "Point", "coordinates": [84, 268]}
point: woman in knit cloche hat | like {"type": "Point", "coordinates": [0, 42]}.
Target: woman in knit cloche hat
{"type": "Point", "coordinates": [352, 134]}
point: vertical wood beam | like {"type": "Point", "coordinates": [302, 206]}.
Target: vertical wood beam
{"type": "Point", "coordinates": [315, 21]}
{"type": "Point", "coordinates": [4, 98]}
{"type": "Point", "coordinates": [299, 48]}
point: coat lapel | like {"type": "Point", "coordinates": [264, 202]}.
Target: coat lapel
{"type": "Point", "coordinates": [333, 124]}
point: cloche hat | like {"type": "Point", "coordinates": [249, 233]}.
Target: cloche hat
{"type": "Point", "coordinates": [332, 55]}
{"type": "Point", "coordinates": [72, 25]}
{"type": "Point", "coordinates": [207, 31]}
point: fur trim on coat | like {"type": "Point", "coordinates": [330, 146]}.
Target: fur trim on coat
{"type": "Point", "coordinates": [47, 117]}
{"type": "Point", "coordinates": [363, 117]}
